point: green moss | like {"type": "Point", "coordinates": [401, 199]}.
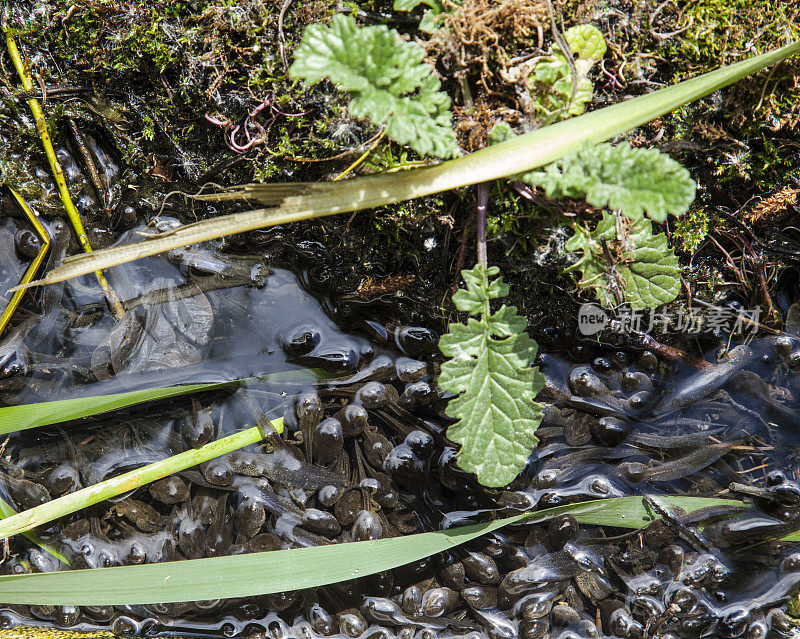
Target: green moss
{"type": "Point", "coordinates": [724, 28]}
{"type": "Point", "coordinates": [691, 229]}
{"type": "Point", "coordinates": [793, 605]}
{"type": "Point", "coordinates": [506, 212]}
{"type": "Point", "coordinates": [724, 31]}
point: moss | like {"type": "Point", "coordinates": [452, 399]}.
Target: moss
{"type": "Point", "coordinates": [506, 212]}
{"type": "Point", "coordinates": [691, 229]}
{"type": "Point", "coordinates": [181, 59]}
{"type": "Point", "coordinates": [793, 605]}
{"type": "Point", "coordinates": [724, 31]}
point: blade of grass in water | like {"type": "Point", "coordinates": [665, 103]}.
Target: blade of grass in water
{"type": "Point", "coordinates": [281, 570]}
{"type": "Point", "coordinates": [523, 153]}
{"type": "Point", "coordinates": [51, 510]}
{"type": "Point", "coordinates": [14, 418]}
{"type": "Point", "coordinates": [6, 510]}
{"type": "Point", "coordinates": [25, 416]}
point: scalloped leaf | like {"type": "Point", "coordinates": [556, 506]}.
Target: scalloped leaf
{"type": "Point", "coordinates": [634, 181]}
{"type": "Point", "coordinates": [551, 79]}
{"type": "Point", "coordinates": [490, 367]}
{"type": "Point", "coordinates": [645, 272]}
{"type": "Point", "coordinates": [586, 41]}
{"type": "Point", "coordinates": [387, 79]}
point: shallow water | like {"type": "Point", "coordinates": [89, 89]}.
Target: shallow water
{"type": "Point", "coordinates": [364, 456]}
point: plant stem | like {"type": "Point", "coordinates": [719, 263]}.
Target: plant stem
{"type": "Point", "coordinates": [36, 262]}
{"type": "Point", "coordinates": [68, 504]}
{"type": "Point", "coordinates": [7, 510]}
{"type": "Point", "coordinates": [58, 173]}
{"type": "Point", "coordinates": [482, 204]}
{"type": "Point", "coordinates": [363, 157]}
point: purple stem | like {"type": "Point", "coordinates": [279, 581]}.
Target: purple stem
{"type": "Point", "coordinates": [482, 204]}
{"type": "Point", "coordinates": [217, 121]}
{"type": "Point", "coordinates": [290, 115]}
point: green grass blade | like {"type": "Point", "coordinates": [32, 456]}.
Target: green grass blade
{"type": "Point", "coordinates": [14, 418]}
{"type": "Point", "coordinates": [6, 510]}
{"type": "Point", "coordinates": [277, 571]}
{"type": "Point", "coordinates": [25, 416]}
{"type": "Point", "coordinates": [72, 502]}
{"type": "Point", "coordinates": [523, 153]}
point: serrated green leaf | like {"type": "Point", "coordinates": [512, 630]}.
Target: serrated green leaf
{"type": "Point", "coordinates": [551, 82]}
{"type": "Point", "coordinates": [387, 79]}
{"type": "Point", "coordinates": [586, 41]}
{"type": "Point", "coordinates": [490, 367]}
{"type": "Point", "coordinates": [634, 181]}
{"type": "Point", "coordinates": [646, 272]}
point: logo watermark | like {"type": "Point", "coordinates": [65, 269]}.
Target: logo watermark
{"type": "Point", "coordinates": [692, 321]}
{"type": "Point", "coordinates": [592, 319]}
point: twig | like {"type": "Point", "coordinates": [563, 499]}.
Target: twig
{"type": "Point", "coordinates": [481, 206]}
{"type": "Point", "coordinates": [462, 248]}
{"type": "Point", "coordinates": [766, 84]}
{"type": "Point", "coordinates": [91, 167]}
{"type": "Point", "coordinates": [668, 352]}
{"type": "Point", "coordinates": [762, 279]}
{"type": "Point", "coordinates": [281, 34]}
{"type": "Point", "coordinates": [730, 262]}
{"type": "Point", "coordinates": [363, 157]}
{"type": "Point", "coordinates": [36, 262]}
{"type": "Point", "coordinates": [671, 34]}
{"type": "Point", "coordinates": [58, 173]}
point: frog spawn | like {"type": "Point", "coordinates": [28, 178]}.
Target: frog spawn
{"type": "Point", "coordinates": [364, 457]}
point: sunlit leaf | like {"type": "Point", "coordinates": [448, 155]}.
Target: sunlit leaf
{"type": "Point", "coordinates": [624, 262]}
{"type": "Point", "coordinates": [490, 368]}
{"type": "Point", "coordinates": [635, 181]}
{"type": "Point", "coordinates": [387, 79]}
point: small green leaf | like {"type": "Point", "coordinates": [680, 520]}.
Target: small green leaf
{"type": "Point", "coordinates": [500, 132]}
{"type": "Point", "coordinates": [490, 366]}
{"type": "Point", "coordinates": [635, 181]}
{"type": "Point", "coordinates": [551, 80]}
{"type": "Point", "coordinates": [586, 41]}
{"type": "Point", "coordinates": [387, 79]}
{"type": "Point", "coordinates": [645, 272]}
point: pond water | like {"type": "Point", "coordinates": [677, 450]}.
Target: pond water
{"type": "Point", "coordinates": [364, 456]}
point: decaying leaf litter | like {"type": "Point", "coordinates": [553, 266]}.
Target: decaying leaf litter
{"type": "Point", "coordinates": [728, 422]}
